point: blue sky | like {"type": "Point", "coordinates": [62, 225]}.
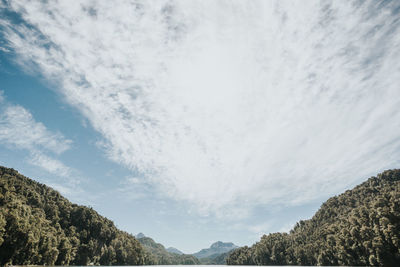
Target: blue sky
{"type": "Point", "coordinates": [198, 121]}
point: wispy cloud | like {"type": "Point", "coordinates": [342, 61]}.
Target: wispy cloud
{"type": "Point", "coordinates": [286, 227]}
{"type": "Point", "coordinates": [260, 229]}
{"type": "Point", "coordinates": [18, 129]}
{"type": "Point", "coordinates": [134, 188]}
{"type": "Point", "coordinates": [227, 104]}
{"type": "Point", "coordinates": [49, 164]}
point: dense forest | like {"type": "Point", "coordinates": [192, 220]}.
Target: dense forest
{"type": "Point", "coordinates": [216, 259]}
{"type": "Point", "coordinates": [160, 256]}
{"type": "Point", "coordinates": [358, 227]}
{"type": "Point", "coordinates": [39, 226]}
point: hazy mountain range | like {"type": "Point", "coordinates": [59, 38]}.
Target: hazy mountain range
{"type": "Point", "coordinates": [170, 249]}
{"type": "Point", "coordinates": [38, 226]}
{"type": "Point", "coordinates": [161, 255]}
{"type": "Point", "coordinates": [357, 228]}
{"type": "Point", "coordinates": [215, 249]}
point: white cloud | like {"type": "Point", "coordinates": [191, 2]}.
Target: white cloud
{"type": "Point", "coordinates": [227, 104]}
{"type": "Point", "coordinates": [134, 180]}
{"type": "Point", "coordinates": [18, 129]}
{"type": "Point", "coordinates": [64, 190]}
{"type": "Point", "coordinates": [3, 49]}
{"type": "Point", "coordinates": [133, 188]}
{"type": "Point", "coordinates": [49, 164]}
{"type": "Point", "coordinates": [260, 229]}
{"type": "Point", "coordinates": [286, 227]}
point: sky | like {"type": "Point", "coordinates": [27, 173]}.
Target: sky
{"type": "Point", "coordinates": [198, 121]}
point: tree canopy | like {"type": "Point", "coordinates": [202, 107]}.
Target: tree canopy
{"type": "Point", "coordinates": [358, 227]}
{"type": "Point", "coordinates": [160, 256]}
{"type": "Point", "coordinates": [38, 226]}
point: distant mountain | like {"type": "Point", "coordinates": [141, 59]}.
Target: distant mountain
{"type": "Point", "coordinates": [160, 256]}
{"type": "Point", "coordinates": [174, 250]}
{"type": "Point", "coordinates": [215, 250]}
{"type": "Point", "coordinates": [38, 226]}
{"type": "Point", "coordinates": [140, 235]}
{"type": "Point", "coordinates": [357, 228]}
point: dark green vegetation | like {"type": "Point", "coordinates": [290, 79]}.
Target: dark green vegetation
{"type": "Point", "coordinates": [215, 259]}
{"type": "Point", "coordinates": [39, 226]}
{"type": "Point", "coordinates": [358, 227]}
{"type": "Point", "coordinates": [159, 255]}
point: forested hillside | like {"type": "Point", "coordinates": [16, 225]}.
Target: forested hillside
{"type": "Point", "coordinates": [39, 226]}
{"type": "Point", "coordinates": [161, 256]}
{"type": "Point", "coordinates": [358, 227]}
{"type": "Point", "coordinates": [216, 259]}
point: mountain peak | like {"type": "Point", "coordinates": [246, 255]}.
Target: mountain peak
{"type": "Point", "coordinates": [140, 235]}
{"type": "Point", "coordinates": [215, 249]}
{"type": "Point", "coordinates": [220, 244]}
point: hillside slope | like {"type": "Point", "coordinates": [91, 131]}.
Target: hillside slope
{"type": "Point", "coordinates": [215, 259]}
{"type": "Point", "coordinates": [174, 250]}
{"type": "Point", "coordinates": [215, 250]}
{"type": "Point", "coordinates": [358, 227]}
{"type": "Point", "coordinates": [161, 256]}
{"type": "Point", "coordinates": [38, 226]}
{"type": "Point", "coordinates": [216, 254]}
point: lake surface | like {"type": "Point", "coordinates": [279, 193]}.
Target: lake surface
{"type": "Point", "coordinates": [157, 265]}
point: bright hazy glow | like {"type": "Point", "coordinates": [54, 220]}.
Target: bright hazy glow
{"type": "Point", "coordinates": [225, 104]}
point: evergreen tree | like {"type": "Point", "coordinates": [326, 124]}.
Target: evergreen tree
{"type": "Point", "coordinates": [359, 227]}
{"type": "Point", "coordinates": [40, 227]}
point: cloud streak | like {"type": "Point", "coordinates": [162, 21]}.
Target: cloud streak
{"type": "Point", "coordinates": [227, 104]}
{"type": "Point", "coordinates": [18, 129]}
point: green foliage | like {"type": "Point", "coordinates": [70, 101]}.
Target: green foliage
{"type": "Point", "coordinates": [216, 259]}
{"type": "Point", "coordinates": [40, 227]}
{"type": "Point", "coordinates": [359, 227]}
{"type": "Point", "coordinates": [160, 256]}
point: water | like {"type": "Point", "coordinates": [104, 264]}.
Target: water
{"type": "Point", "coordinates": [157, 265]}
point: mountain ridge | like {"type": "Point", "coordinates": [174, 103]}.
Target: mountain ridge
{"type": "Point", "coordinates": [139, 235]}
{"type": "Point", "coordinates": [358, 227]}
{"type": "Point", "coordinates": [215, 249]}
{"type": "Point", "coordinates": [161, 256]}
{"type": "Point", "coordinates": [174, 250]}
{"type": "Point", "coordinates": [38, 226]}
